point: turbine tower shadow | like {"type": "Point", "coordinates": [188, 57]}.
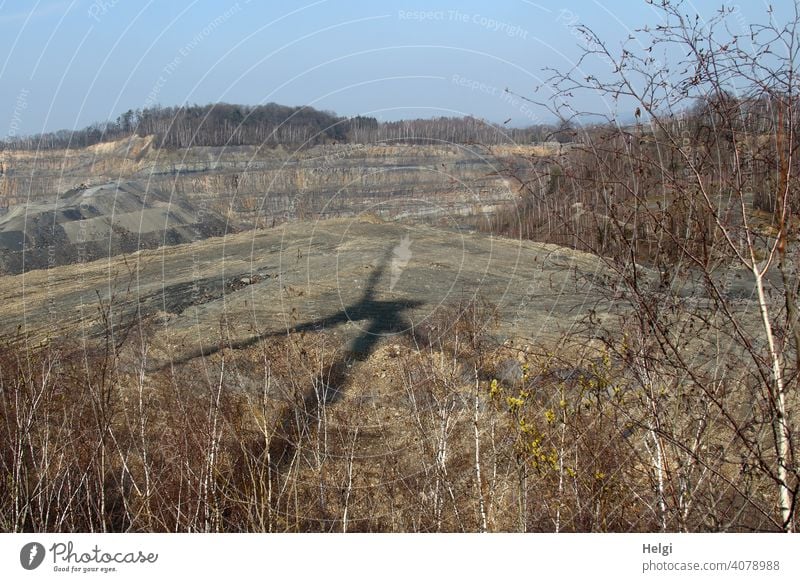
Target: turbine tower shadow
{"type": "Point", "coordinates": [382, 317]}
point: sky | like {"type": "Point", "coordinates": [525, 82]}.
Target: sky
{"type": "Point", "coordinates": [65, 64]}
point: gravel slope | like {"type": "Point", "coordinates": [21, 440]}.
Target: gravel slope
{"type": "Point", "coordinates": [263, 281]}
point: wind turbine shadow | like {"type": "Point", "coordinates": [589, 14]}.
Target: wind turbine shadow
{"type": "Point", "coordinates": [382, 317]}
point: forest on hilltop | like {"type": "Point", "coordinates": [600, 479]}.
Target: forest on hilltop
{"type": "Point", "coordinates": [270, 125]}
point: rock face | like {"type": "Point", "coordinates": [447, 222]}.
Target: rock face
{"type": "Point", "coordinates": [125, 196]}
{"type": "Point", "coordinates": [88, 223]}
{"type": "Point", "coordinates": [329, 274]}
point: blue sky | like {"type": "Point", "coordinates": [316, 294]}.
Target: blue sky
{"type": "Point", "coordinates": [67, 63]}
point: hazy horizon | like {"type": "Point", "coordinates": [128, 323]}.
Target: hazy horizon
{"type": "Point", "coordinates": [71, 63]}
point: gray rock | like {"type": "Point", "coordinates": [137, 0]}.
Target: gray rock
{"type": "Point", "coordinates": [509, 371]}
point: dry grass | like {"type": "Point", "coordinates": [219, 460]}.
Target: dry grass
{"type": "Point", "coordinates": [440, 431]}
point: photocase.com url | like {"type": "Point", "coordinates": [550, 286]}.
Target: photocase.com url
{"type": "Point", "coordinates": [721, 566]}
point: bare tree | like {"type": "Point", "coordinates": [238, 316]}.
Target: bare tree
{"type": "Point", "coordinates": [693, 205]}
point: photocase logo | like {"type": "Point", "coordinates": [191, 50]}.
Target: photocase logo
{"type": "Point", "coordinates": [31, 555]}
{"type": "Point", "coordinates": [402, 255]}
